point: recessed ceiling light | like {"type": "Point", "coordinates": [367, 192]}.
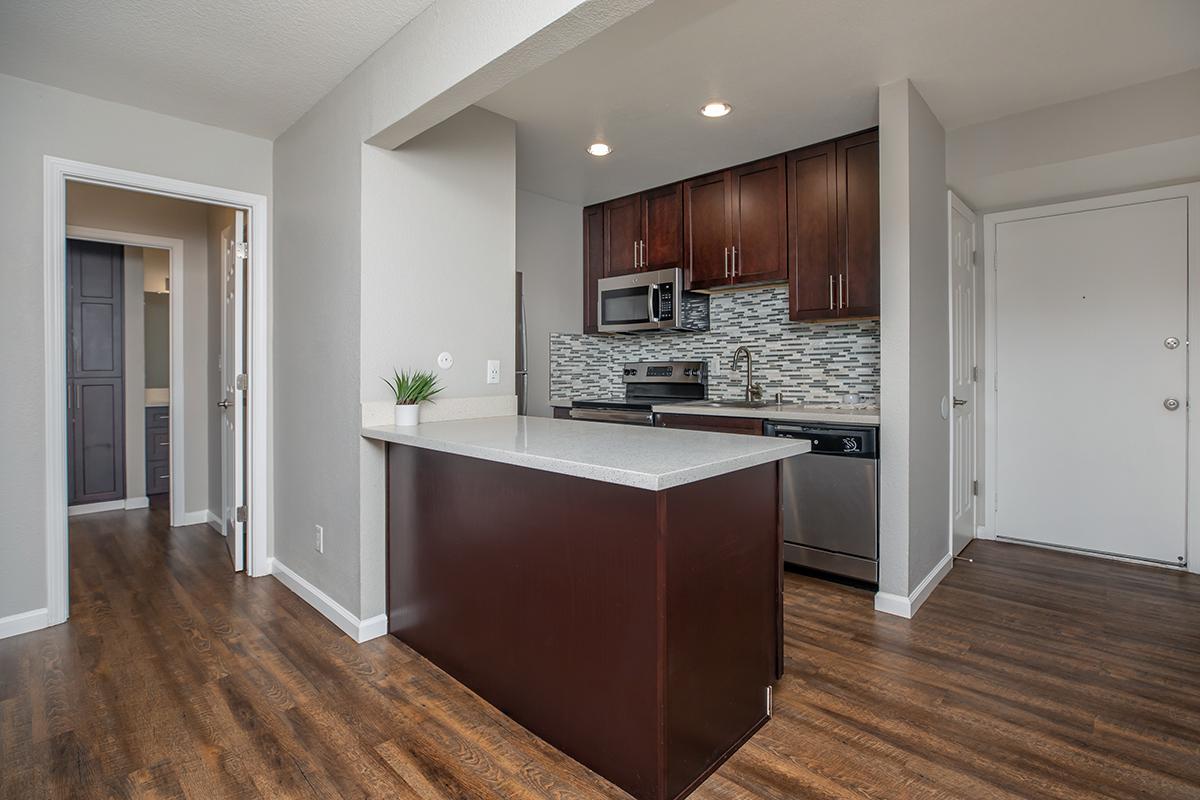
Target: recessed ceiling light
{"type": "Point", "coordinates": [715, 109]}
{"type": "Point", "coordinates": [599, 149]}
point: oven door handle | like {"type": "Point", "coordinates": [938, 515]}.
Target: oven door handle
{"type": "Point", "coordinates": [612, 415]}
{"type": "Point", "coordinates": [652, 303]}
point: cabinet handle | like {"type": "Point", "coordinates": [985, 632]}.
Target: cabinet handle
{"type": "Point", "coordinates": [831, 292]}
{"type": "Point", "coordinates": [642, 252]}
{"type": "Point", "coordinates": [847, 274]}
{"type": "Point", "coordinates": [733, 261]}
{"type": "Point", "coordinates": [726, 262]}
{"type": "Point", "coordinates": [635, 264]}
{"type": "Point", "coordinates": [840, 305]}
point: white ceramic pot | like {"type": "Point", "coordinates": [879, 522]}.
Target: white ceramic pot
{"type": "Point", "coordinates": [407, 415]}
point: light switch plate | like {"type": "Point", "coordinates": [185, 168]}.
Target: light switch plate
{"type": "Point", "coordinates": [493, 371]}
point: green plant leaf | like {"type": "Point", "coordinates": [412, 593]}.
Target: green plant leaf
{"type": "Point", "coordinates": [412, 388]}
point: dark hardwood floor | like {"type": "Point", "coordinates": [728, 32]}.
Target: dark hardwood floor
{"type": "Point", "coordinates": [1028, 674]}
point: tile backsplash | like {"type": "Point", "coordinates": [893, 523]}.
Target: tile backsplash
{"type": "Point", "coordinates": [817, 362]}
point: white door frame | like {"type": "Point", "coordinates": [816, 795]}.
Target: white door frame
{"type": "Point", "coordinates": [175, 420]}
{"type": "Point", "coordinates": [954, 202]}
{"type": "Point", "coordinates": [56, 173]}
{"type": "Point", "coordinates": [1189, 191]}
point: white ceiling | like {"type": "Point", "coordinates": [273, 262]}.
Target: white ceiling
{"type": "Point", "coordinates": [248, 66]}
{"type": "Point", "coordinates": [799, 71]}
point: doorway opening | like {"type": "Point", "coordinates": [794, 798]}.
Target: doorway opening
{"type": "Point", "coordinates": [156, 301]}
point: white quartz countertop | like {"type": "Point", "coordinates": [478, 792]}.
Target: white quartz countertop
{"type": "Point", "coordinates": [786, 412]}
{"type": "Point", "coordinates": [630, 455]}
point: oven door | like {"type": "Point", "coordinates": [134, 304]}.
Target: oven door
{"type": "Point", "coordinates": [640, 302]}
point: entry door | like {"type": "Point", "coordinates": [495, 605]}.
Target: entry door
{"type": "Point", "coordinates": [233, 494]}
{"type": "Point", "coordinates": [1091, 383]}
{"type": "Point", "coordinates": [963, 372]}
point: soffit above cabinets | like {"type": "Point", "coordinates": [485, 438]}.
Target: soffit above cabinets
{"type": "Point", "coordinates": [799, 71]}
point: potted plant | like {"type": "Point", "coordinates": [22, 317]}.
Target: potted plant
{"type": "Point", "coordinates": [411, 389]}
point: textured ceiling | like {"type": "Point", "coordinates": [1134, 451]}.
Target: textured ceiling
{"type": "Point", "coordinates": [248, 65]}
{"type": "Point", "coordinates": [799, 71]}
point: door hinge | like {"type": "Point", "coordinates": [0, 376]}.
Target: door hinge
{"type": "Point", "coordinates": [974, 488]}
{"type": "Point", "coordinates": [242, 250]}
{"type": "Point", "coordinates": [241, 513]}
{"type": "Point", "coordinates": [770, 701]}
{"type": "Point", "coordinates": [974, 258]}
{"type": "Point", "coordinates": [241, 382]}
{"type": "Point", "coordinates": [974, 374]}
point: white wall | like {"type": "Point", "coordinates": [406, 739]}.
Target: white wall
{"type": "Point", "coordinates": [93, 206]}
{"type": "Point", "coordinates": [454, 53]}
{"type": "Point", "coordinates": [39, 121]}
{"type": "Point", "coordinates": [550, 257]}
{"type": "Point", "coordinates": [135, 375]}
{"type": "Point", "coordinates": [914, 319]}
{"type": "Point", "coordinates": [1135, 137]}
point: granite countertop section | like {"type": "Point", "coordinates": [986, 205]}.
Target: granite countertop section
{"type": "Point", "coordinates": [630, 455]}
{"type": "Point", "coordinates": [787, 412]}
{"type": "Point", "coordinates": [560, 402]}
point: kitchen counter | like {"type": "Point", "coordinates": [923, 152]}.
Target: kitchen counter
{"type": "Point", "coordinates": [640, 457]}
{"type": "Point", "coordinates": [787, 412]}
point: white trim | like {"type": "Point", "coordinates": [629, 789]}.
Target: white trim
{"type": "Point", "coordinates": [177, 393]}
{"type": "Point", "coordinates": [95, 508]}
{"type": "Point", "coordinates": [56, 172]}
{"type": "Point", "coordinates": [25, 622]}
{"type": "Point", "coordinates": [901, 606]}
{"type": "Point", "coordinates": [1190, 191]}
{"type": "Point", "coordinates": [192, 518]}
{"type": "Point", "coordinates": [134, 503]}
{"type": "Point", "coordinates": [358, 630]}
{"type": "Point", "coordinates": [214, 522]}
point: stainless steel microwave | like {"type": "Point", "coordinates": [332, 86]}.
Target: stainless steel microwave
{"type": "Point", "coordinates": [650, 301]}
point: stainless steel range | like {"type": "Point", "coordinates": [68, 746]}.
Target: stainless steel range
{"type": "Point", "coordinates": [646, 384]}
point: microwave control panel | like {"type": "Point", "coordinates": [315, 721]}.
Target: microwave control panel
{"type": "Point", "coordinates": [666, 301]}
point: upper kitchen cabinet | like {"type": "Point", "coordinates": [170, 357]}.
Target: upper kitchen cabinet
{"type": "Point", "coordinates": [833, 229]}
{"type": "Point", "coordinates": [622, 235]}
{"type": "Point", "coordinates": [644, 231]}
{"type": "Point", "coordinates": [735, 225]}
{"type": "Point", "coordinates": [593, 263]}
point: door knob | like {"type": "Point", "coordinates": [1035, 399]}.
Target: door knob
{"type": "Point", "coordinates": [1171, 342]}
{"type": "Point", "coordinates": [224, 404]}
{"type": "Point", "coordinates": [1171, 404]}
{"type": "Point", "coordinates": [958, 402]}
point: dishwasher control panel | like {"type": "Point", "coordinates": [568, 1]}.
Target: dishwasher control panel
{"type": "Point", "coordinates": [850, 441]}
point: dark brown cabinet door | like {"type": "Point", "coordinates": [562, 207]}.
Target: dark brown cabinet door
{"type": "Point", "coordinates": [759, 206]}
{"type": "Point", "coordinates": [662, 224]}
{"type": "Point", "coordinates": [858, 223]}
{"type": "Point", "coordinates": [95, 369]}
{"type": "Point", "coordinates": [593, 263]}
{"type": "Point", "coordinates": [707, 230]}
{"type": "Point", "coordinates": [712, 424]}
{"type": "Point", "coordinates": [812, 232]}
{"type": "Point", "coordinates": [622, 235]}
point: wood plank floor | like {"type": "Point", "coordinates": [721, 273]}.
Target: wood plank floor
{"type": "Point", "coordinates": [1029, 674]}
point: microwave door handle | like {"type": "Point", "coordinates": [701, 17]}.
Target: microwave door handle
{"type": "Point", "coordinates": [652, 303]}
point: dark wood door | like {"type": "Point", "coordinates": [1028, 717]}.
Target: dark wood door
{"type": "Point", "coordinates": [707, 230]}
{"type": "Point", "coordinates": [712, 424]}
{"type": "Point", "coordinates": [593, 263]}
{"type": "Point", "coordinates": [812, 232]}
{"type": "Point", "coordinates": [662, 223]}
{"type": "Point", "coordinates": [759, 200]}
{"type": "Point", "coordinates": [95, 369]}
{"type": "Point", "coordinates": [622, 235]}
{"type": "Point", "coordinates": [858, 223]}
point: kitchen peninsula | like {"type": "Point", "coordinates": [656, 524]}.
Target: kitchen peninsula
{"type": "Point", "coordinates": [614, 589]}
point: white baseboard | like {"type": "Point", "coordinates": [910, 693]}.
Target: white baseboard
{"type": "Point", "coordinates": [136, 502]}
{"type": "Point", "coordinates": [95, 508]}
{"type": "Point", "coordinates": [194, 518]}
{"type": "Point", "coordinates": [358, 630]}
{"type": "Point", "coordinates": [906, 607]}
{"type": "Point", "coordinates": [26, 621]}
{"type": "Point", "coordinates": [214, 522]}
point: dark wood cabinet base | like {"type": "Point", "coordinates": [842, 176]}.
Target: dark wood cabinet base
{"type": "Point", "coordinates": [636, 631]}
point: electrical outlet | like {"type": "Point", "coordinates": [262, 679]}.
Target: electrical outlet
{"type": "Point", "coordinates": [493, 371]}
{"type": "Point", "coordinates": [319, 541]}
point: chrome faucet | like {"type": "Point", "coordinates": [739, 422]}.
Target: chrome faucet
{"type": "Point", "coordinates": [754, 391]}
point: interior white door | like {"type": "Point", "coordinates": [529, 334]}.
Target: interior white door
{"type": "Point", "coordinates": [1091, 382]}
{"type": "Point", "coordinates": [233, 403]}
{"type": "Point", "coordinates": [963, 372]}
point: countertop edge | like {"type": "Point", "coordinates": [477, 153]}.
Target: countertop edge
{"type": "Point", "coordinates": [847, 416]}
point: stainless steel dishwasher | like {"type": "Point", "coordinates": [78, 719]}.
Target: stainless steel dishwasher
{"type": "Point", "coordinates": [830, 499]}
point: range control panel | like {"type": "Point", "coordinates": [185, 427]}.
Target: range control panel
{"type": "Point", "coordinates": [666, 372]}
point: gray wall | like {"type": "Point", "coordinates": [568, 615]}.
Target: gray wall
{"type": "Point", "coordinates": [550, 258]}
{"type": "Point", "coordinates": [39, 121]}
{"type": "Point", "coordinates": [157, 340]}
{"type": "Point", "coordinates": [914, 507]}
{"type": "Point", "coordinates": [107, 208]}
